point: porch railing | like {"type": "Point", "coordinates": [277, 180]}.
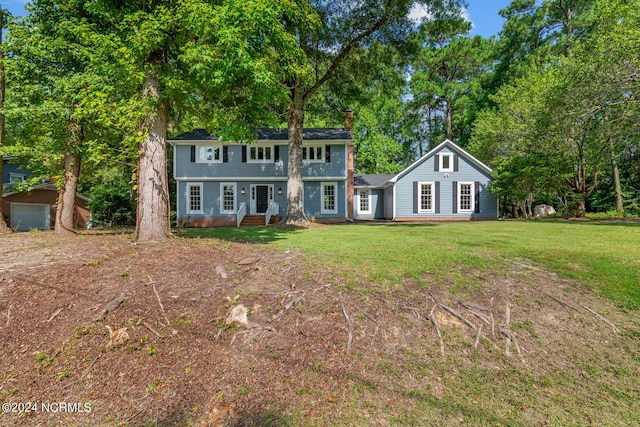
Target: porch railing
{"type": "Point", "coordinates": [273, 209]}
{"type": "Point", "coordinates": [242, 211]}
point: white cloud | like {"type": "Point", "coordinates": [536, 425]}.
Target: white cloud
{"type": "Point", "coordinates": [418, 13]}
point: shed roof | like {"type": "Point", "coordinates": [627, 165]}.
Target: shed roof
{"type": "Point", "coordinates": [371, 181]}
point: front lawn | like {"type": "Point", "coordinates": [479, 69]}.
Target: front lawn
{"type": "Point", "coordinates": [604, 256]}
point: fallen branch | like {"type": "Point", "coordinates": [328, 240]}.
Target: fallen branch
{"type": "Point", "coordinates": [55, 313]}
{"type": "Point", "coordinates": [562, 303]}
{"type": "Point", "coordinates": [160, 303]}
{"type": "Point", "coordinates": [435, 324]}
{"type": "Point", "coordinates": [479, 315]}
{"type": "Point", "coordinates": [607, 321]}
{"type": "Point", "coordinates": [8, 316]}
{"type": "Point", "coordinates": [512, 337]}
{"type": "Point", "coordinates": [86, 371]}
{"type": "Point", "coordinates": [287, 307]}
{"type": "Point", "coordinates": [459, 316]}
{"type": "Point", "coordinates": [112, 305]}
{"type": "Point", "coordinates": [146, 325]}
{"type": "Point", "coordinates": [349, 324]}
{"type": "Point", "coordinates": [478, 337]}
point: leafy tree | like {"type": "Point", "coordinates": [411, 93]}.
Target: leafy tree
{"type": "Point", "coordinates": [446, 70]}
{"type": "Point", "coordinates": [3, 224]}
{"type": "Point", "coordinates": [344, 26]}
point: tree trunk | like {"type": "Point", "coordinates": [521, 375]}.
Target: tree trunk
{"type": "Point", "coordinates": [3, 224]}
{"type": "Point", "coordinates": [449, 121]}
{"type": "Point", "coordinates": [294, 214]}
{"type": "Point", "coordinates": [616, 177]}
{"type": "Point", "coordinates": [65, 210]}
{"type": "Point", "coordinates": [152, 214]}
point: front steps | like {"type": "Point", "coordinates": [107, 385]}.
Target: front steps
{"type": "Point", "coordinates": [258, 220]}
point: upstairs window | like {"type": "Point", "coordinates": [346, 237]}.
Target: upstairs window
{"type": "Point", "coordinates": [209, 154]}
{"type": "Point", "coordinates": [260, 153]}
{"type": "Point", "coordinates": [446, 162]}
{"type": "Point", "coordinates": [16, 177]}
{"type": "Point", "coordinates": [313, 154]}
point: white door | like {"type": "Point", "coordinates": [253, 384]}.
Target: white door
{"type": "Point", "coordinates": [25, 216]}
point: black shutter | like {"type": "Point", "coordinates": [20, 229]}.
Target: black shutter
{"type": "Point", "coordinates": [455, 197]}
{"type": "Point", "coordinates": [415, 197]}
{"type": "Point", "coordinates": [437, 197]}
{"type": "Point", "coordinates": [225, 154]}
{"type": "Point", "coordinates": [327, 153]}
{"type": "Point", "coordinates": [244, 154]}
{"type": "Point", "coordinates": [477, 198]}
{"type": "Point", "coordinates": [436, 163]}
{"type": "Point", "coordinates": [276, 153]}
{"type": "Point", "coordinates": [193, 154]}
{"type": "Point", "coordinates": [455, 163]}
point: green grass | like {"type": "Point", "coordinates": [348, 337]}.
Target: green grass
{"type": "Point", "coordinates": [605, 256]}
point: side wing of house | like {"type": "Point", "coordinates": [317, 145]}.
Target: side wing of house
{"type": "Point", "coordinates": [446, 183]}
{"type": "Point", "coordinates": [369, 197]}
{"type": "Point", "coordinates": [218, 182]}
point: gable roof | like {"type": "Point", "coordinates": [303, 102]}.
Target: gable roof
{"type": "Point", "coordinates": [50, 186]}
{"type": "Point", "coordinates": [454, 147]}
{"type": "Point", "coordinates": [308, 134]}
{"type": "Point", "coordinates": [371, 181]}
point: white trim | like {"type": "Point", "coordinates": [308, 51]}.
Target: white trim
{"type": "Point", "coordinates": [258, 178]}
{"type": "Point", "coordinates": [22, 176]}
{"type": "Point", "coordinates": [235, 197]}
{"type": "Point", "coordinates": [177, 202]}
{"type": "Point", "coordinates": [253, 208]}
{"type": "Point", "coordinates": [441, 157]}
{"type": "Point", "coordinates": [393, 195]}
{"type": "Point", "coordinates": [323, 185]}
{"type": "Point", "coordinates": [473, 196]}
{"type": "Point", "coordinates": [433, 197]}
{"type": "Point", "coordinates": [307, 148]}
{"type": "Point", "coordinates": [358, 200]}
{"type": "Point", "coordinates": [188, 209]}
{"type": "Point", "coordinates": [201, 146]}
{"type": "Point", "coordinates": [257, 146]}
{"type": "Point", "coordinates": [454, 148]}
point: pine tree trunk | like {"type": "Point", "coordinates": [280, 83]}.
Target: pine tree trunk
{"type": "Point", "coordinates": [449, 121]}
{"type": "Point", "coordinates": [3, 224]}
{"type": "Point", "coordinates": [152, 214]}
{"type": "Point", "coordinates": [616, 177]}
{"type": "Point", "coordinates": [294, 214]}
{"type": "Point", "coordinates": [65, 210]}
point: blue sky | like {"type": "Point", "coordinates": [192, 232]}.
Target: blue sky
{"type": "Point", "coordinates": [482, 13]}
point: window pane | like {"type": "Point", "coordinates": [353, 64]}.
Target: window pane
{"type": "Point", "coordinates": [446, 159]}
{"type": "Point", "coordinates": [318, 153]}
{"type": "Point", "coordinates": [465, 197]}
{"type": "Point", "coordinates": [304, 153]}
{"type": "Point", "coordinates": [425, 197]}
{"type": "Point", "coordinates": [228, 198]}
{"type": "Point", "coordinates": [364, 201]}
{"type": "Point", "coordinates": [194, 198]}
{"type": "Point", "coordinates": [329, 197]}
{"type": "Point", "coordinates": [267, 153]}
{"type": "Point", "coordinates": [254, 154]}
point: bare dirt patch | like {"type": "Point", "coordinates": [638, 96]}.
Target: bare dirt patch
{"type": "Point", "coordinates": [136, 335]}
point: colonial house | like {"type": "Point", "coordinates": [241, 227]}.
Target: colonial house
{"type": "Point", "coordinates": [230, 184]}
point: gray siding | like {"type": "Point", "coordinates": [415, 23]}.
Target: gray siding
{"type": "Point", "coordinates": [313, 200]}
{"type": "Point", "coordinates": [235, 168]}
{"type": "Point", "coordinates": [424, 172]}
{"type": "Point", "coordinates": [376, 199]}
{"type": "Point", "coordinates": [9, 168]}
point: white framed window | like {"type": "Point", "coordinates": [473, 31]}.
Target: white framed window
{"type": "Point", "coordinates": [329, 197]}
{"type": "Point", "coordinates": [426, 201]}
{"type": "Point", "coordinates": [194, 198]}
{"type": "Point", "coordinates": [364, 201]}
{"type": "Point", "coordinates": [16, 177]}
{"type": "Point", "coordinates": [446, 162]}
{"type": "Point", "coordinates": [227, 197]}
{"type": "Point", "coordinates": [208, 153]}
{"type": "Point", "coordinates": [313, 154]}
{"type": "Point", "coordinates": [260, 153]}
{"type": "Point", "coordinates": [465, 197]}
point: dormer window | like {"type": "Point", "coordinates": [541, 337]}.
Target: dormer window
{"type": "Point", "coordinates": [446, 162]}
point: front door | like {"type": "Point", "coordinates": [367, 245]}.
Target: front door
{"type": "Point", "coordinates": [262, 198]}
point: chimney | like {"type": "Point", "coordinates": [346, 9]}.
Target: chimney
{"type": "Point", "coordinates": [348, 124]}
